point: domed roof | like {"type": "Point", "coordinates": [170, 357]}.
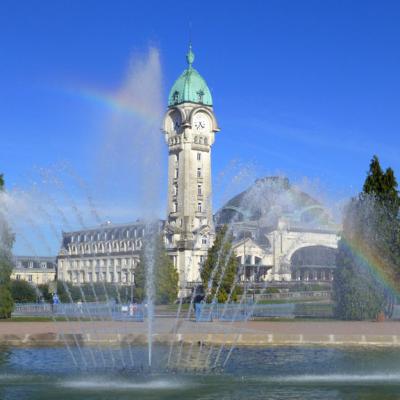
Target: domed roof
{"type": "Point", "coordinates": [268, 201]}
{"type": "Point", "coordinates": [190, 86]}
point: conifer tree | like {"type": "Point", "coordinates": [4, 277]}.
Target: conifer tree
{"type": "Point", "coordinates": [220, 268]}
{"type": "Point", "coordinates": [6, 243]}
{"type": "Point", "coordinates": [165, 274]}
{"type": "Point", "coordinates": [368, 261]}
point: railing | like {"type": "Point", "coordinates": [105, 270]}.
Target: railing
{"type": "Point", "coordinates": [32, 309]}
{"type": "Point", "coordinates": [323, 294]}
{"type": "Point", "coordinates": [250, 311]}
{"type": "Point", "coordinates": [136, 312]}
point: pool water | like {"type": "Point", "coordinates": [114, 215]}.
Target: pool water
{"type": "Point", "coordinates": [251, 373]}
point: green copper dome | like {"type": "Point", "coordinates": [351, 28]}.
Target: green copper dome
{"type": "Point", "coordinates": [190, 86]}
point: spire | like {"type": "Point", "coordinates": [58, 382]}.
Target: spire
{"type": "Point", "coordinates": [190, 56]}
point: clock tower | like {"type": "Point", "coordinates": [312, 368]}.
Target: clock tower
{"type": "Point", "coordinates": [189, 128]}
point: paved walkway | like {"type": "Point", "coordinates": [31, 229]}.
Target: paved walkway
{"type": "Point", "coordinates": [252, 332]}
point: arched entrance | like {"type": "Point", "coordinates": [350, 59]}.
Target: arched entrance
{"type": "Point", "coordinates": [313, 263]}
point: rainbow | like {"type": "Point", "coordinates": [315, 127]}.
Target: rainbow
{"type": "Point", "coordinates": [119, 102]}
{"type": "Point", "coordinates": [379, 268]}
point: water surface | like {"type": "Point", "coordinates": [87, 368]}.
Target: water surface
{"type": "Point", "coordinates": [251, 373]}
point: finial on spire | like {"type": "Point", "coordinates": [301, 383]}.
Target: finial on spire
{"type": "Point", "coordinates": [190, 55]}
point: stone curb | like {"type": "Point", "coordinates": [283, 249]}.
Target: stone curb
{"type": "Point", "coordinates": [242, 339]}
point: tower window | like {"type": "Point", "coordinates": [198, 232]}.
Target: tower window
{"type": "Point", "coordinates": [198, 156]}
{"type": "Point", "coordinates": [199, 190]}
{"type": "Point", "coordinates": [176, 174]}
{"type": "Point", "coordinates": [175, 97]}
{"type": "Point", "coordinates": [175, 207]}
{"type": "Point", "coordinates": [199, 207]}
{"type": "Point", "coordinates": [175, 190]}
{"type": "Point", "coordinates": [199, 172]}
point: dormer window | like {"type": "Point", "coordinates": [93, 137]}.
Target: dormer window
{"type": "Point", "coordinates": [175, 97]}
{"type": "Point", "coordinates": [200, 96]}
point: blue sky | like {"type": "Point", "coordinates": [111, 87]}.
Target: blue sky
{"type": "Point", "coordinates": [309, 89]}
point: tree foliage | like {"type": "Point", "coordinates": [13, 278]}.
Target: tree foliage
{"type": "Point", "coordinates": [6, 243]}
{"type": "Point", "coordinates": [220, 268]}
{"type": "Point", "coordinates": [89, 292]}
{"type": "Point", "coordinates": [165, 274]}
{"type": "Point", "coordinates": [23, 292]}
{"type": "Point", "coordinates": [368, 260]}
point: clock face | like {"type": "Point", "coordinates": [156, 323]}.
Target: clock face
{"type": "Point", "coordinates": [201, 122]}
{"type": "Point", "coordinates": [176, 122]}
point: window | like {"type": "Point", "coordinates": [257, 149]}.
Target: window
{"type": "Point", "coordinates": [175, 190]}
{"type": "Point", "coordinates": [199, 207]}
{"type": "Point", "coordinates": [43, 264]}
{"type": "Point", "coordinates": [199, 172]}
{"type": "Point", "coordinates": [176, 174]}
{"type": "Point", "coordinates": [18, 277]}
{"type": "Point", "coordinates": [175, 207]}
{"type": "Point", "coordinates": [204, 240]}
{"type": "Point", "coordinates": [90, 276]}
{"type": "Point", "coordinates": [29, 278]}
{"type": "Point", "coordinates": [198, 156]}
{"type": "Point", "coordinates": [199, 190]}
{"type": "Point", "coordinates": [175, 97]}
{"type": "Point", "coordinates": [30, 264]}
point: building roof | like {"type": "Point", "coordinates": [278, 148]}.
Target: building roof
{"type": "Point", "coordinates": [271, 200]}
{"type": "Point", "coordinates": [190, 86]}
{"type": "Point", "coordinates": [35, 262]}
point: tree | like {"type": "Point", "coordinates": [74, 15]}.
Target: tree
{"type": "Point", "coordinates": [220, 268]}
{"type": "Point", "coordinates": [6, 243]}
{"type": "Point", "coordinates": [45, 292]}
{"type": "Point", "coordinates": [368, 260]}
{"type": "Point", "coordinates": [23, 292]}
{"type": "Point", "coordinates": [165, 274]}
{"type": "Point", "coordinates": [67, 292]}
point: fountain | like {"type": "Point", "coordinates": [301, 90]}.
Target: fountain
{"type": "Point", "coordinates": [103, 345]}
